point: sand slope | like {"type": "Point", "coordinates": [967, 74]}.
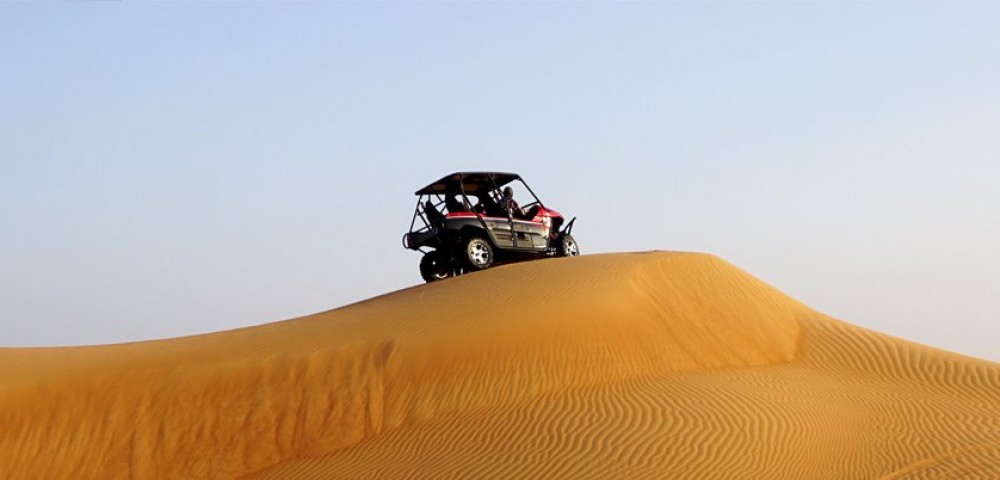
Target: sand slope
{"type": "Point", "coordinates": [655, 365]}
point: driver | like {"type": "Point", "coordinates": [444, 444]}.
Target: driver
{"type": "Point", "coordinates": [510, 205]}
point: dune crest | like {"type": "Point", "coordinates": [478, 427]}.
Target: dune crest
{"type": "Point", "coordinates": [623, 365]}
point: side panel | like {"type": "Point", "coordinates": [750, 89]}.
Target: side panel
{"type": "Point", "coordinates": [531, 236]}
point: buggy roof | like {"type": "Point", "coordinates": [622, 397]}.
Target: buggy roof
{"type": "Point", "coordinates": [469, 181]}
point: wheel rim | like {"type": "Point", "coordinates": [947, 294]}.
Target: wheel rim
{"type": "Point", "coordinates": [435, 267]}
{"type": "Point", "coordinates": [479, 253]}
{"type": "Point", "coordinates": [440, 270]}
{"type": "Point", "coordinates": [571, 248]}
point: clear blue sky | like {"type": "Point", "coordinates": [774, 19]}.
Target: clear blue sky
{"type": "Point", "coordinates": [170, 169]}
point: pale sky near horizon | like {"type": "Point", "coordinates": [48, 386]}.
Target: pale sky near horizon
{"type": "Point", "coordinates": [172, 169]}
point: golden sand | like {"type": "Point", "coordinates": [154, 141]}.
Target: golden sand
{"type": "Point", "coordinates": [653, 365]}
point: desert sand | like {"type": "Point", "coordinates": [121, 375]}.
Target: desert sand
{"type": "Point", "coordinates": [649, 365]}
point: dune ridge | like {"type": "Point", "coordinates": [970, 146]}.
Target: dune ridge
{"type": "Point", "coordinates": [621, 365]}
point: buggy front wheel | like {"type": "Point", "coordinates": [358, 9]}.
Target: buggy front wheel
{"type": "Point", "coordinates": [567, 246]}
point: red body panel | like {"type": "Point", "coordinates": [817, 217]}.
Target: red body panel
{"type": "Point", "coordinates": [460, 214]}
{"type": "Point", "coordinates": [538, 218]}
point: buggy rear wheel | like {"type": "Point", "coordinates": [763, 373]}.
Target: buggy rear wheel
{"type": "Point", "coordinates": [478, 253]}
{"type": "Point", "coordinates": [434, 266]}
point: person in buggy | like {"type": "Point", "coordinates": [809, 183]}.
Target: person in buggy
{"type": "Point", "coordinates": [510, 206]}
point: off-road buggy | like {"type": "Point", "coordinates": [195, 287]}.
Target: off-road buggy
{"type": "Point", "coordinates": [467, 221]}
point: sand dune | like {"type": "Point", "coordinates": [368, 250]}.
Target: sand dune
{"type": "Point", "coordinates": [653, 365]}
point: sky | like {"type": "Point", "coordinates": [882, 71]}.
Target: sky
{"type": "Point", "coordinates": [170, 169]}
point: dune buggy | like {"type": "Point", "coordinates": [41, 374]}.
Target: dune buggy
{"type": "Point", "coordinates": [470, 221]}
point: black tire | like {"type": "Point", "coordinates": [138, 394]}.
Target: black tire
{"type": "Point", "coordinates": [434, 266]}
{"type": "Point", "coordinates": [567, 246]}
{"type": "Point", "coordinates": [478, 253]}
